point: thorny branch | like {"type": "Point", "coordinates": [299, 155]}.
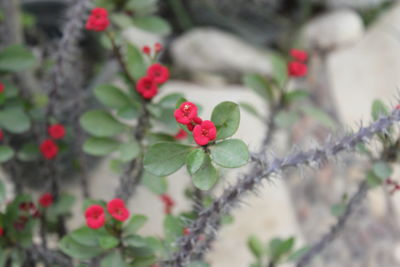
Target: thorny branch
{"type": "Point", "coordinates": [335, 230]}
{"type": "Point", "coordinates": [189, 244]}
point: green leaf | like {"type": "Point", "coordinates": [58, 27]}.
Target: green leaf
{"type": "Point", "coordinates": [297, 254]}
{"type": "Point", "coordinates": [2, 192]}
{"type": "Point", "coordinates": [86, 236]}
{"type": "Point", "coordinates": [256, 246]}
{"type": "Point", "coordinates": [6, 153]}
{"type": "Point", "coordinates": [62, 206]}
{"type": "Point", "coordinates": [295, 95]}
{"type": "Point", "coordinates": [319, 115]}
{"type": "Point", "coordinates": [113, 259]}
{"type": "Point", "coordinates": [379, 109]}
{"type": "Point", "coordinates": [170, 100]}
{"type": "Point", "coordinates": [259, 84]}
{"type": "Point", "coordinates": [121, 20]}
{"type": "Point", "coordinates": [14, 120]}
{"type": "Point", "coordinates": [142, 6]}
{"type": "Point", "coordinates": [16, 58]}
{"type": "Point", "coordinates": [226, 117]}
{"type": "Point", "coordinates": [163, 159]}
{"type": "Point", "coordinates": [206, 176]}
{"type": "Point", "coordinates": [135, 61]}
{"type": "Point", "coordinates": [156, 184]}
{"type": "Point", "coordinates": [78, 251]}
{"type": "Point", "coordinates": [129, 151]}
{"type": "Point", "coordinates": [28, 152]}
{"type": "Point", "coordinates": [279, 65]}
{"type": "Point", "coordinates": [279, 247]}
{"type": "Point", "coordinates": [373, 180]}
{"type": "Point", "coordinates": [382, 170]}
{"type": "Point", "coordinates": [135, 241]}
{"type": "Point", "coordinates": [198, 264]}
{"type": "Point", "coordinates": [101, 123]}
{"type": "Point", "coordinates": [100, 146]}
{"type": "Point", "coordinates": [195, 160]}
{"type": "Point", "coordinates": [108, 242]}
{"type": "Point", "coordinates": [250, 109]}
{"type": "Point", "coordinates": [112, 96]}
{"type": "Point", "coordinates": [338, 209]}
{"type": "Point", "coordinates": [173, 228]}
{"type": "Point", "coordinates": [230, 153]}
{"type": "Point", "coordinates": [134, 224]}
{"type": "Point", "coordinates": [285, 119]}
{"type": "Point", "coordinates": [153, 24]}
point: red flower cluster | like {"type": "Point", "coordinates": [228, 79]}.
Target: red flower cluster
{"type": "Point", "coordinates": [98, 20]}
{"type": "Point", "coordinates": [29, 208]}
{"type": "Point", "coordinates": [2, 87]}
{"type": "Point", "coordinates": [147, 49]}
{"type": "Point", "coordinates": [203, 131]}
{"type": "Point", "coordinates": [395, 185]}
{"type": "Point", "coordinates": [147, 86]}
{"type": "Point", "coordinates": [46, 200]}
{"type": "Point", "coordinates": [96, 216]}
{"type": "Point", "coordinates": [297, 67]}
{"type": "Point", "coordinates": [48, 147]}
{"type": "Point", "coordinates": [168, 202]}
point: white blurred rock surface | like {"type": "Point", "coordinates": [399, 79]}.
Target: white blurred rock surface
{"type": "Point", "coordinates": [212, 50]}
{"type": "Point", "coordinates": [333, 30]}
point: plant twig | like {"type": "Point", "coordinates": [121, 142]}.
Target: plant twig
{"type": "Point", "coordinates": [189, 244]}
{"type": "Point", "coordinates": [50, 257]}
{"type": "Point", "coordinates": [336, 229]}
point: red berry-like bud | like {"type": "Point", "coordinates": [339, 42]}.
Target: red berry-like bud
{"type": "Point", "coordinates": [186, 112]}
{"type": "Point", "coordinates": [98, 20]}
{"type": "Point", "coordinates": [146, 50]}
{"type": "Point", "coordinates": [117, 209]}
{"type": "Point", "coordinates": [180, 135]}
{"type": "Point", "coordinates": [204, 133]}
{"type": "Point", "coordinates": [49, 149]}
{"type": "Point", "coordinates": [147, 87]}
{"type": "Point", "coordinates": [297, 69]}
{"type": "Point", "coordinates": [2, 87]}
{"type": "Point", "coordinates": [46, 200]}
{"type": "Point", "coordinates": [158, 72]}
{"type": "Point", "coordinates": [299, 55]}
{"type": "Point", "coordinates": [56, 131]}
{"type": "Point", "coordinates": [158, 47]}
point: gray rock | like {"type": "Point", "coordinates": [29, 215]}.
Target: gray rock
{"type": "Point", "coordinates": [211, 50]}
{"type": "Point", "coordinates": [333, 30]}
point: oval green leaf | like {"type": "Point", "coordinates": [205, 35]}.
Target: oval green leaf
{"type": "Point", "coordinates": [162, 159]}
{"type": "Point", "coordinates": [100, 146]}
{"type": "Point", "coordinates": [129, 151]}
{"type": "Point", "coordinates": [230, 153]}
{"type": "Point", "coordinates": [195, 160]}
{"type": "Point", "coordinates": [16, 58]}
{"type": "Point", "coordinates": [14, 120]}
{"type": "Point", "coordinates": [6, 153]}
{"type": "Point", "coordinates": [153, 24]}
{"type": "Point", "coordinates": [101, 123]}
{"type": "Point", "coordinates": [206, 176]}
{"type": "Point", "coordinates": [111, 96]}
{"type": "Point", "coordinates": [226, 117]}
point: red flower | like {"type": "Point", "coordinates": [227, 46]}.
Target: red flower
{"type": "Point", "coordinates": [299, 55]}
{"type": "Point", "coordinates": [146, 50]}
{"type": "Point", "coordinates": [297, 69]}
{"type": "Point", "coordinates": [180, 135]}
{"type": "Point", "coordinates": [204, 133]}
{"type": "Point", "coordinates": [193, 123]}
{"type": "Point", "coordinates": [186, 231]}
{"type": "Point", "coordinates": [147, 87]}
{"type": "Point", "coordinates": [117, 209]}
{"type": "Point", "coordinates": [397, 107]}
{"type": "Point", "coordinates": [169, 203]}
{"type": "Point", "coordinates": [95, 217]}
{"type": "Point", "coordinates": [186, 112]}
{"type": "Point", "coordinates": [1, 231]}
{"type": "Point", "coordinates": [49, 149]}
{"type": "Point", "coordinates": [98, 20]}
{"type": "Point", "coordinates": [158, 47]}
{"type": "Point", "coordinates": [46, 200]}
{"type": "Point", "coordinates": [2, 87]}
{"type": "Point", "coordinates": [1, 135]}
{"type": "Point", "coordinates": [26, 206]}
{"type": "Point", "coordinates": [158, 72]}
{"type": "Point", "coordinates": [56, 131]}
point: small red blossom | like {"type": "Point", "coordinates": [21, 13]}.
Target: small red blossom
{"type": "Point", "coordinates": [204, 133]}
{"type": "Point", "coordinates": [397, 107]}
{"type": "Point", "coordinates": [146, 50]}
{"type": "Point", "coordinates": [181, 134]}
{"type": "Point", "coordinates": [147, 87]}
{"type": "Point", "coordinates": [98, 20]}
{"type": "Point", "coordinates": [297, 69]}
{"type": "Point", "coordinates": [158, 47]}
{"type": "Point", "coordinates": [117, 209]}
{"type": "Point", "coordinates": [158, 72]}
{"type": "Point", "coordinates": [27, 206]}
{"type": "Point", "coordinates": [56, 131]}
{"type": "Point", "coordinates": [299, 55]}
{"type": "Point", "coordinates": [95, 216]}
{"type": "Point", "coordinates": [49, 149]}
{"type": "Point", "coordinates": [46, 200]}
{"type": "Point", "coordinates": [2, 87]}
{"type": "Point", "coordinates": [168, 202]}
{"type": "Point", "coordinates": [1, 231]}
{"type": "Point", "coordinates": [186, 231]}
{"type": "Point", "coordinates": [1, 135]}
{"type": "Point", "coordinates": [186, 112]}
{"type": "Point", "coordinates": [193, 123]}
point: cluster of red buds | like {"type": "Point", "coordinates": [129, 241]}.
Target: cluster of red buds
{"type": "Point", "coordinates": [168, 202]}
{"type": "Point", "coordinates": [96, 216]}
{"type": "Point", "coordinates": [203, 131]}
{"type": "Point", "coordinates": [157, 49]}
{"type": "Point", "coordinates": [156, 75]}
{"type": "Point", "coordinates": [48, 147]}
{"type": "Point", "coordinates": [297, 67]}
{"type": "Point", "coordinates": [395, 186]}
{"type": "Point", "coordinates": [98, 20]}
